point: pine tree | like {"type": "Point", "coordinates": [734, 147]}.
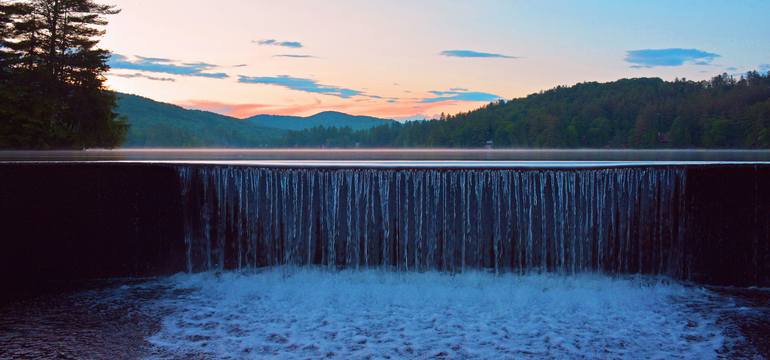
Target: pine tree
{"type": "Point", "coordinates": [9, 59]}
{"type": "Point", "coordinates": [59, 70]}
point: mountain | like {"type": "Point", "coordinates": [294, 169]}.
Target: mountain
{"type": "Point", "coordinates": [325, 119]}
{"type": "Point", "coordinates": [723, 112]}
{"type": "Point", "coordinates": [157, 124]}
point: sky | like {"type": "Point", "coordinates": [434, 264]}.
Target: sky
{"type": "Point", "coordinates": [416, 59]}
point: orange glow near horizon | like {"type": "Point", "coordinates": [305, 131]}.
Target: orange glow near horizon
{"type": "Point", "coordinates": [294, 57]}
{"type": "Point", "coordinates": [397, 111]}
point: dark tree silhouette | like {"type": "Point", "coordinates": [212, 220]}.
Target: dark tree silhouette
{"type": "Point", "coordinates": [724, 112]}
{"type": "Point", "coordinates": [54, 74]}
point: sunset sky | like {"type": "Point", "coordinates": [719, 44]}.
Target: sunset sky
{"type": "Point", "coordinates": [415, 59]}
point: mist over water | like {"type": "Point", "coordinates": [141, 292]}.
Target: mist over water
{"type": "Point", "coordinates": [416, 155]}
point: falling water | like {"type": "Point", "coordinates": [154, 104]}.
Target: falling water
{"type": "Point", "coordinates": [615, 220]}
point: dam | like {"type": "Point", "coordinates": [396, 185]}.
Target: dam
{"type": "Point", "coordinates": [648, 232]}
{"type": "Point", "coordinates": [696, 220]}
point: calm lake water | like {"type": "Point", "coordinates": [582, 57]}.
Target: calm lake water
{"type": "Point", "coordinates": [399, 157]}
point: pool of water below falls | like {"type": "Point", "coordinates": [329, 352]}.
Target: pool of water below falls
{"type": "Point", "coordinates": [311, 312]}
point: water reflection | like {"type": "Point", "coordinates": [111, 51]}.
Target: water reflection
{"type": "Point", "coordinates": [545, 155]}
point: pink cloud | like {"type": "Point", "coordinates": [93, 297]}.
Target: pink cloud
{"type": "Point", "coordinates": [401, 109]}
{"type": "Point", "coordinates": [242, 111]}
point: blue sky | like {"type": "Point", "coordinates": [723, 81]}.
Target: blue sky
{"type": "Point", "coordinates": [403, 59]}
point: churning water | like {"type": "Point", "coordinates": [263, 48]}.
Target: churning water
{"type": "Point", "coordinates": [289, 312]}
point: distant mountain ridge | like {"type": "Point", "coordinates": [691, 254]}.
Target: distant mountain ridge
{"type": "Point", "coordinates": [723, 112]}
{"type": "Point", "coordinates": [158, 124]}
{"type": "Point", "coordinates": [325, 119]}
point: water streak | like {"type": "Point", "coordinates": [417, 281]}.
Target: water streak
{"type": "Point", "coordinates": [614, 220]}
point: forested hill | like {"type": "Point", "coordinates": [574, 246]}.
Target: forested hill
{"type": "Point", "coordinates": [630, 113]}
{"type": "Point", "coordinates": [157, 124]}
{"type": "Point", "coordinates": [322, 119]}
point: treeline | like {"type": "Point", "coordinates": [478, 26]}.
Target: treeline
{"type": "Point", "coordinates": [724, 112]}
{"type": "Point", "coordinates": [52, 75]}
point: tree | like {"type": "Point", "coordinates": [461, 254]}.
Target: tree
{"type": "Point", "coordinates": [680, 133]}
{"type": "Point", "coordinates": [11, 94]}
{"type": "Point", "coordinates": [58, 70]}
{"type": "Point", "coordinates": [645, 112]}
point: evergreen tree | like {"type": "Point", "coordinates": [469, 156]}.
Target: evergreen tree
{"type": "Point", "coordinates": [57, 74]}
{"type": "Point", "coordinates": [724, 112]}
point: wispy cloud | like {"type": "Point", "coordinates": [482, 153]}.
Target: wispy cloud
{"type": "Point", "coordinates": [407, 108]}
{"type": "Point", "coordinates": [474, 54]}
{"type": "Point", "coordinates": [458, 94]}
{"type": "Point", "coordinates": [764, 68]}
{"type": "Point", "coordinates": [153, 59]}
{"type": "Point", "coordinates": [301, 84]}
{"type": "Point", "coordinates": [296, 56]}
{"type": "Point", "coordinates": [273, 42]}
{"type": "Point", "coordinates": [143, 76]}
{"type": "Point", "coordinates": [166, 66]}
{"type": "Point", "coordinates": [648, 58]}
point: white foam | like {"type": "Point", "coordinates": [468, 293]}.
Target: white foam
{"type": "Point", "coordinates": [309, 313]}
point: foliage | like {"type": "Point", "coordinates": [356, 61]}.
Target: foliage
{"type": "Point", "coordinates": [52, 75]}
{"type": "Point", "coordinates": [156, 124]}
{"type": "Point", "coordinates": [723, 112]}
{"type": "Point", "coordinates": [322, 119]}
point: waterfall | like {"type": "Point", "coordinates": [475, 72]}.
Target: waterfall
{"type": "Point", "coordinates": [614, 220]}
